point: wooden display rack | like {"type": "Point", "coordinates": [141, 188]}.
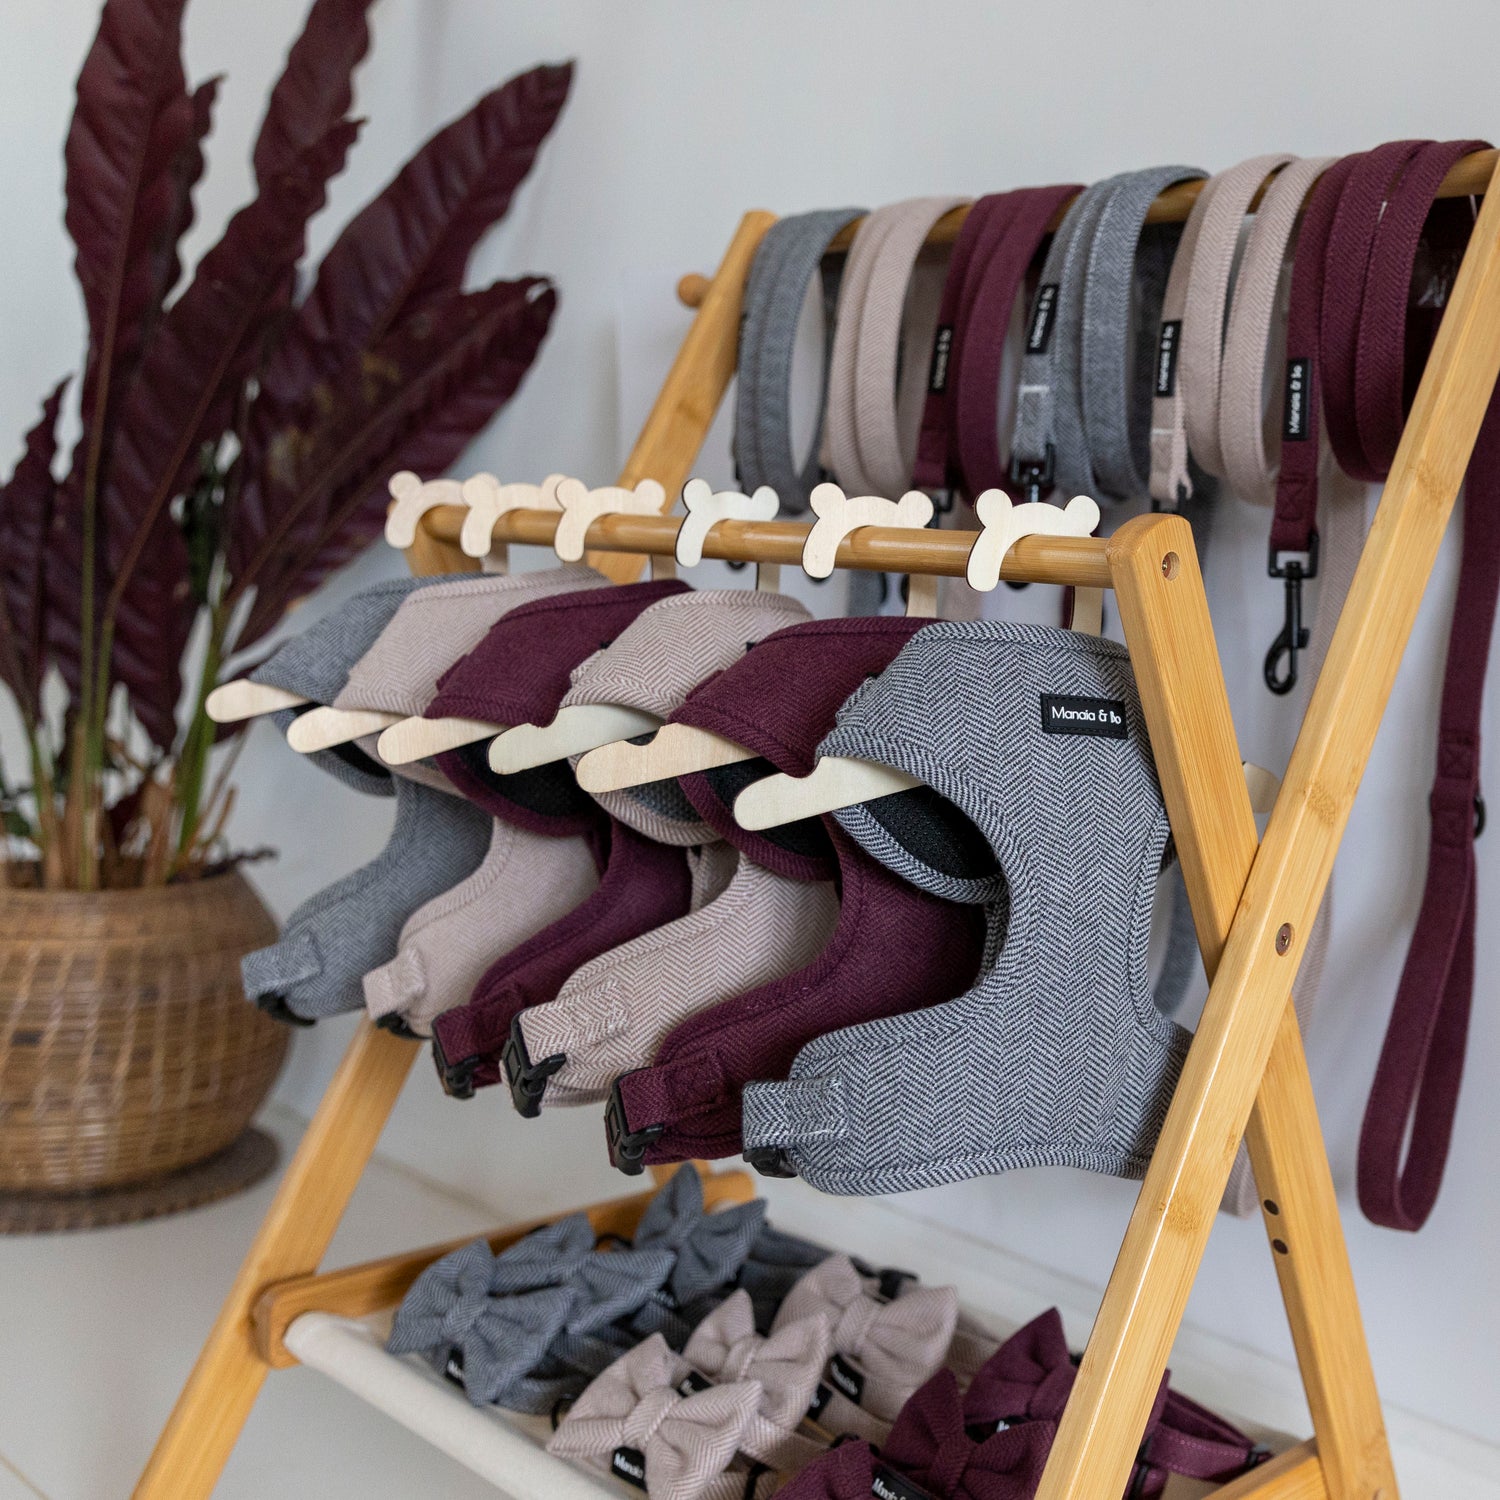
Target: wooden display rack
{"type": "Point", "coordinates": [1253, 904]}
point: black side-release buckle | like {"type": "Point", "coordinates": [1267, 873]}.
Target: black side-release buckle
{"type": "Point", "coordinates": [627, 1147]}
{"type": "Point", "coordinates": [395, 1023]}
{"type": "Point", "coordinates": [528, 1080]}
{"type": "Point", "coordinates": [457, 1078]}
{"type": "Point", "coordinates": [1294, 635]}
{"type": "Point", "coordinates": [276, 1007]}
{"type": "Point", "coordinates": [770, 1161]}
{"type": "Point", "coordinates": [1032, 478]}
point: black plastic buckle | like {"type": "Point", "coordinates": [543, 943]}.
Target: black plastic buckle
{"type": "Point", "coordinates": [276, 1007]}
{"type": "Point", "coordinates": [1035, 479]}
{"type": "Point", "coordinates": [1294, 635]}
{"type": "Point", "coordinates": [627, 1147]}
{"type": "Point", "coordinates": [770, 1161]}
{"type": "Point", "coordinates": [527, 1080]}
{"type": "Point", "coordinates": [395, 1023]}
{"type": "Point", "coordinates": [457, 1078]}
{"type": "Point", "coordinates": [1479, 814]}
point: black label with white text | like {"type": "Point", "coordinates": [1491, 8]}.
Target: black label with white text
{"type": "Point", "coordinates": [846, 1378]}
{"type": "Point", "coordinates": [887, 1484]}
{"type": "Point", "coordinates": [1166, 357]}
{"type": "Point", "coordinates": [1103, 718]}
{"type": "Point", "coordinates": [629, 1464]}
{"type": "Point", "coordinates": [821, 1397]}
{"type": "Point", "coordinates": [942, 347]}
{"type": "Point", "coordinates": [1294, 422]}
{"type": "Point", "coordinates": [1043, 315]}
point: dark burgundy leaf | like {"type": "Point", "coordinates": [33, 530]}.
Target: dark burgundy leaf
{"type": "Point", "coordinates": [412, 242]}
{"type": "Point", "coordinates": [314, 91]}
{"type": "Point", "coordinates": [184, 395]}
{"type": "Point", "coordinates": [426, 391]}
{"type": "Point", "coordinates": [186, 170]}
{"type": "Point", "coordinates": [26, 504]}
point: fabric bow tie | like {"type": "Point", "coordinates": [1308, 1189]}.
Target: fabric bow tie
{"type": "Point", "coordinates": [788, 1364]}
{"type": "Point", "coordinates": [776, 1263]}
{"type": "Point", "coordinates": [451, 1318]}
{"type": "Point", "coordinates": [897, 1344]}
{"type": "Point", "coordinates": [633, 1421]}
{"type": "Point", "coordinates": [929, 1443]}
{"type": "Point", "coordinates": [710, 1248]}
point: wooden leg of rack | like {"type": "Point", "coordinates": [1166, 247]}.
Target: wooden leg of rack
{"type": "Point", "coordinates": [689, 398]}
{"type": "Point", "coordinates": [1293, 1475]}
{"type": "Point", "coordinates": [206, 1421]}
{"type": "Point", "coordinates": [1243, 1046]}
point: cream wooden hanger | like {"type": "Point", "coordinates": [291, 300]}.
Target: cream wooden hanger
{"type": "Point", "coordinates": [838, 514]}
{"type": "Point", "coordinates": [324, 728]}
{"type": "Point", "coordinates": [841, 781]}
{"type": "Point", "coordinates": [488, 500]}
{"type": "Point", "coordinates": [706, 507]}
{"type": "Point", "coordinates": [413, 498]}
{"type": "Point", "coordinates": [231, 702]}
{"type": "Point", "coordinates": [581, 507]}
{"type": "Point", "coordinates": [678, 749]}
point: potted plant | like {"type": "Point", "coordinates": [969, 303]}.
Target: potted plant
{"type": "Point", "coordinates": [236, 441]}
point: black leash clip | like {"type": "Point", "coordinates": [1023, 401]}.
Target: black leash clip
{"type": "Point", "coordinates": [1294, 637]}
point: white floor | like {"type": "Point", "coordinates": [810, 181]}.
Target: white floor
{"type": "Point", "coordinates": [98, 1331]}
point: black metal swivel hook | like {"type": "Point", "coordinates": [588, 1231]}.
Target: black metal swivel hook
{"type": "Point", "coordinates": [1294, 635]}
{"type": "Point", "coordinates": [1034, 480]}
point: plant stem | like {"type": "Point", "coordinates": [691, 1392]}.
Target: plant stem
{"type": "Point", "coordinates": [192, 763]}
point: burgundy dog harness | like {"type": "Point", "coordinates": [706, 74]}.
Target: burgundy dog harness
{"type": "Point", "coordinates": [895, 948]}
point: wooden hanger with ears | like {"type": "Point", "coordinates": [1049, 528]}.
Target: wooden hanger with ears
{"type": "Point", "coordinates": [681, 749]}
{"type": "Point", "coordinates": [488, 500]}
{"type": "Point", "coordinates": [413, 498]}
{"type": "Point", "coordinates": [581, 507]}
{"type": "Point", "coordinates": [841, 781]}
{"type": "Point", "coordinates": [706, 507]}
{"type": "Point", "coordinates": [231, 702]}
{"type": "Point", "coordinates": [1005, 523]}
{"type": "Point", "coordinates": [324, 728]}
{"type": "Point", "coordinates": [838, 514]}
{"type": "Point", "coordinates": [579, 727]}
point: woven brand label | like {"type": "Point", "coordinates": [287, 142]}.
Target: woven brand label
{"type": "Point", "coordinates": [1043, 315]}
{"type": "Point", "coordinates": [942, 347]}
{"type": "Point", "coordinates": [1103, 718]}
{"type": "Point", "coordinates": [846, 1378]}
{"type": "Point", "coordinates": [1166, 357]}
{"type": "Point", "coordinates": [1294, 423]}
{"type": "Point", "coordinates": [887, 1484]}
{"type": "Point", "coordinates": [629, 1464]}
{"type": "Point", "coordinates": [454, 1369]}
{"type": "Point", "coordinates": [821, 1397]}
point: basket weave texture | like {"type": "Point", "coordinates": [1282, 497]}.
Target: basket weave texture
{"type": "Point", "coordinates": [127, 1049]}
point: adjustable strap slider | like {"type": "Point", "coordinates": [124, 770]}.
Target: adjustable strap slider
{"type": "Point", "coordinates": [395, 1023]}
{"type": "Point", "coordinates": [771, 1161]}
{"type": "Point", "coordinates": [627, 1147]}
{"type": "Point", "coordinates": [1034, 478]}
{"type": "Point", "coordinates": [527, 1080]}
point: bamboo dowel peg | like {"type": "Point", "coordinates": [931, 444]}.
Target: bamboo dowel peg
{"type": "Point", "coordinates": [692, 289]}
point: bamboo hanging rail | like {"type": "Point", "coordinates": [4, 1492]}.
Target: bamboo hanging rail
{"type": "Point", "coordinates": [1253, 905]}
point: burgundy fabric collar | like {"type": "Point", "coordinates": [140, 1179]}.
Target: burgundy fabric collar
{"type": "Point", "coordinates": [959, 446]}
{"type": "Point", "coordinates": [1355, 353]}
{"type": "Point", "coordinates": [895, 948]}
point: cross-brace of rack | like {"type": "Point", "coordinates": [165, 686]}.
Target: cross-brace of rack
{"type": "Point", "coordinates": [1253, 904]}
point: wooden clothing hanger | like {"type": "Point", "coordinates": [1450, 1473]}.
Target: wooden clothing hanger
{"type": "Point", "coordinates": [841, 781]}
{"type": "Point", "coordinates": [488, 500]}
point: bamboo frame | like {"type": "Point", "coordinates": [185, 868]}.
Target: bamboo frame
{"type": "Point", "coordinates": [1245, 1074]}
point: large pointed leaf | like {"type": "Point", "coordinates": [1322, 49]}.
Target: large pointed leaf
{"type": "Point", "coordinates": [183, 397]}
{"type": "Point", "coordinates": [314, 91]}
{"type": "Point", "coordinates": [185, 171]}
{"type": "Point", "coordinates": [26, 504]}
{"type": "Point", "coordinates": [132, 118]}
{"type": "Point", "coordinates": [412, 242]}
{"type": "Point", "coordinates": [426, 391]}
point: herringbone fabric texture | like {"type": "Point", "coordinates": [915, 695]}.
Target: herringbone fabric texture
{"type": "Point", "coordinates": [525, 882]}
{"type": "Point", "coordinates": [894, 947]}
{"type": "Point", "coordinates": [676, 1444]}
{"type": "Point", "coordinates": [887, 1347]}
{"type": "Point", "coordinates": [317, 664]}
{"type": "Point", "coordinates": [613, 1013]}
{"type": "Point", "coordinates": [654, 663]}
{"type": "Point", "coordinates": [1057, 1056]}
{"type": "Point", "coordinates": [644, 885]}
{"type": "Point", "coordinates": [337, 936]}
{"type": "Point", "coordinates": [776, 1263]}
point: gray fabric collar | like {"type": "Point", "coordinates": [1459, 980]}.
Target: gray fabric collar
{"type": "Point", "coordinates": [789, 256]}
{"type": "Point", "coordinates": [1083, 405]}
{"type": "Point", "coordinates": [1057, 1055]}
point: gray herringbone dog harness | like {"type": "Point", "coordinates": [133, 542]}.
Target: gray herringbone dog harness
{"type": "Point", "coordinates": [1057, 1055]}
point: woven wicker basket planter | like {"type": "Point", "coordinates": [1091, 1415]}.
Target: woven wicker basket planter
{"type": "Point", "coordinates": [127, 1051]}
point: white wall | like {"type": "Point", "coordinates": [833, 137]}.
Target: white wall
{"type": "Point", "coordinates": [686, 114]}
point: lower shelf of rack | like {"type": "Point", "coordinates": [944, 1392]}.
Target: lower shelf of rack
{"type": "Point", "coordinates": [501, 1447]}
